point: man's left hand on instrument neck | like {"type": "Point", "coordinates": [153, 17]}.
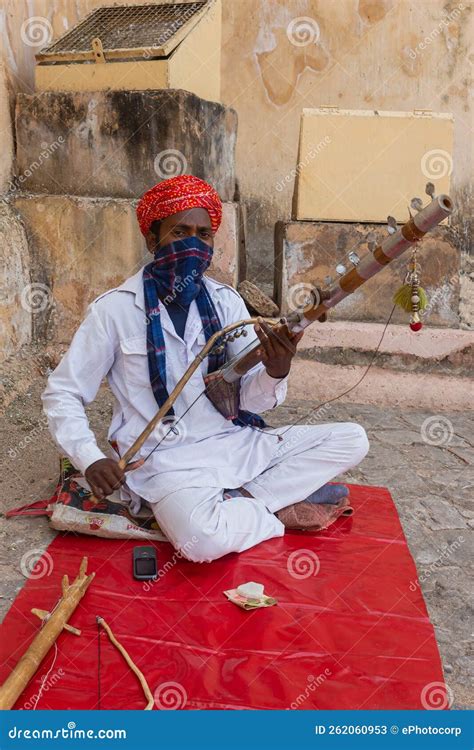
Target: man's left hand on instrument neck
{"type": "Point", "coordinates": [278, 348]}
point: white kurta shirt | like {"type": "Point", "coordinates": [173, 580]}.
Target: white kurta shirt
{"type": "Point", "coordinates": [208, 451]}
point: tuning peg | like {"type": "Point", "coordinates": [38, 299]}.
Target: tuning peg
{"type": "Point", "coordinates": [430, 190]}
{"type": "Point", "coordinates": [354, 258]}
{"type": "Point", "coordinates": [416, 204]}
{"type": "Point", "coordinates": [341, 269]}
{"type": "Point", "coordinates": [392, 224]}
{"type": "Point", "coordinates": [371, 241]}
{"type": "Point", "coordinates": [245, 332]}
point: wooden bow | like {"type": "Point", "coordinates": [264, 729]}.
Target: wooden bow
{"type": "Point", "coordinates": [164, 409]}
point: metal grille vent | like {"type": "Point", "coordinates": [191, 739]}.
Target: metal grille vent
{"type": "Point", "coordinates": [129, 28]}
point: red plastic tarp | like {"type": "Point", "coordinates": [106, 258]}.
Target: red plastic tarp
{"type": "Point", "coordinates": [350, 630]}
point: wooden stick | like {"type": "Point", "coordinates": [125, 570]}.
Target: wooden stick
{"type": "Point", "coordinates": [43, 614]}
{"type": "Point", "coordinates": [131, 664]}
{"type": "Point", "coordinates": [42, 642]}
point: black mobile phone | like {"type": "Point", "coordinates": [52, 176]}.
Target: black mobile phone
{"type": "Point", "coordinates": [145, 566]}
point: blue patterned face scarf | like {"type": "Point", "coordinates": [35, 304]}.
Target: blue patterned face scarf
{"type": "Point", "coordinates": [176, 275]}
{"type": "Point", "coordinates": [178, 269]}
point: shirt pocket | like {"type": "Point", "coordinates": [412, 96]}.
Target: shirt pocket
{"type": "Point", "coordinates": [135, 361]}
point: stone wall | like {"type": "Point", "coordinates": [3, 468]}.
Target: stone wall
{"type": "Point", "coordinates": [15, 293]}
{"type": "Point", "coordinates": [78, 247]}
{"type": "Point", "coordinates": [69, 227]}
{"type": "Point", "coordinates": [277, 58]}
{"type": "Point", "coordinates": [120, 143]}
{"type": "Point", "coordinates": [354, 54]}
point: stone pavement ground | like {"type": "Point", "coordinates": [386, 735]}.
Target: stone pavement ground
{"type": "Point", "coordinates": [427, 463]}
{"type": "Point", "coordinates": [425, 460]}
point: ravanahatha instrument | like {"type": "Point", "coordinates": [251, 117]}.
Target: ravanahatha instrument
{"type": "Point", "coordinates": [363, 269]}
{"type": "Point", "coordinates": [222, 386]}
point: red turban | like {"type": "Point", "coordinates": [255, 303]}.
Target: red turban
{"type": "Point", "coordinates": [178, 194]}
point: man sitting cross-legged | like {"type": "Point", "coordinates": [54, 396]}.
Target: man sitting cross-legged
{"type": "Point", "coordinates": [215, 486]}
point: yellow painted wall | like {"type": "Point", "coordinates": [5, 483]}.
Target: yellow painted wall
{"type": "Point", "coordinates": [364, 54]}
{"type": "Point", "coordinates": [279, 56]}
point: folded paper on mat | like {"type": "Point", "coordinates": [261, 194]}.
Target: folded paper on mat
{"type": "Point", "coordinates": [250, 596]}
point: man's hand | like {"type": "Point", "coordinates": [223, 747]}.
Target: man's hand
{"type": "Point", "coordinates": [105, 476]}
{"type": "Point", "coordinates": [277, 347]}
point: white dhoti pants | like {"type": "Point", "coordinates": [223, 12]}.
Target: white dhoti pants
{"type": "Point", "coordinates": [204, 526]}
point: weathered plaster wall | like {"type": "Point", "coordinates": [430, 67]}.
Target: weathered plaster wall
{"type": "Point", "coordinates": [78, 247]}
{"type": "Point", "coordinates": [15, 292]}
{"type": "Point", "coordinates": [364, 54]}
{"type": "Point", "coordinates": [119, 143]}
{"type": "Point", "coordinates": [386, 54]}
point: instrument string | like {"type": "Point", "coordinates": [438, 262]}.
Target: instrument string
{"type": "Point", "coordinates": [44, 679]}
{"type": "Point", "coordinates": [279, 435]}
{"type": "Point", "coordinates": [353, 387]}
{"type": "Point", "coordinates": [209, 388]}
